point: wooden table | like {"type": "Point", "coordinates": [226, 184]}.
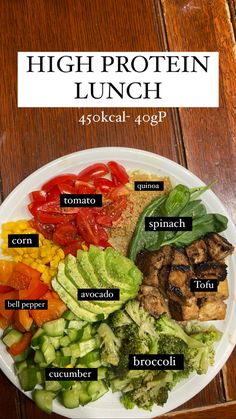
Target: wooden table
{"type": "Point", "coordinates": [204, 140]}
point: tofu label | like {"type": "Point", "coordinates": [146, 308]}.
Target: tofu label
{"type": "Point", "coordinates": [199, 285]}
{"type": "Point", "coordinates": [26, 304]}
{"type": "Point", "coordinates": [156, 362]}
{"type": "Point", "coordinates": [99, 294]}
{"type": "Point", "coordinates": [23, 240]}
{"type": "Point", "coordinates": [168, 223]}
{"type": "Point", "coordinates": [153, 185]}
{"type": "Point", "coordinates": [74, 374]}
{"type": "Point", "coordinates": [80, 200]}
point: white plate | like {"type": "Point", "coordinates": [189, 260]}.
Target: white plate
{"type": "Point", "coordinates": [14, 207]}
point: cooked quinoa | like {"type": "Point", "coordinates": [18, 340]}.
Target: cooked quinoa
{"type": "Point", "coordinates": [121, 232]}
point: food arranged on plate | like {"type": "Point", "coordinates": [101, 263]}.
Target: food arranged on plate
{"type": "Point", "coordinates": [116, 280]}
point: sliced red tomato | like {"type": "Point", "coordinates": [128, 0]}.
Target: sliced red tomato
{"type": "Point", "coordinates": [120, 190]}
{"type": "Point", "coordinates": [33, 208]}
{"type": "Point", "coordinates": [38, 196]}
{"type": "Point", "coordinates": [53, 194]}
{"type": "Point", "coordinates": [82, 187]}
{"type": "Point", "coordinates": [104, 244]}
{"type": "Point", "coordinates": [43, 217]}
{"type": "Point", "coordinates": [73, 246]}
{"type": "Point", "coordinates": [64, 234]}
{"type": "Point", "coordinates": [12, 295]}
{"type": "Point", "coordinates": [58, 180]}
{"type": "Point", "coordinates": [5, 288]}
{"type": "Point", "coordinates": [93, 171]}
{"type": "Point", "coordinates": [46, 230]}
{"type": "Point", "coordinates": [88, 228]}
{"type": "Point", "coordinates": [22, 275]}
{"type": "Point", "coordinates": [66, 189]}
{"type": "Point", "coordinates": [111, 212]}
{"type": "Point", "coordinates": [55, 309]}
{"type": "Point", "coordinates": [118, 172]}
{"type": "Point", "coordinates": [105, 185]}
{"type": "Point", "coordinates": [20, 346]}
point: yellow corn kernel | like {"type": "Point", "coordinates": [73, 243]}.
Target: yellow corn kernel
{"type": "Point", "coordinates": [17, 258]}
{"type": "Point", "coordinates": [61, 254]}
{"type": "Point", "coordinates": [41, 268]}
{"type": "Point", "coordinates": [69, 366]}
{"type": "Point", "coordinates": [84, 247]}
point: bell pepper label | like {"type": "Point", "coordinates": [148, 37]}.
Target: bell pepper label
{"type": "Point", "coordinates": [202, 285]}
{"type": "Point", "coordinates": [151, 186]}
{"type": "Point", "coordinates": [80, 200]}
{"type": "Point", "coordinates": [65, 374]}
{"type": "Point", "coordinates": [168, 223]}
{"type": "Point", "coordinates": [23, 240]}
{"type": "Point", "coordinates": [100, 294]}
{"type": "Point", "coordinates": [26, 304]}
{"type": "Point", "coordinates": [156, 362]}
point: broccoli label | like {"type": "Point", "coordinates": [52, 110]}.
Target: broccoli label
{"type": "Point", "coordinates": [156, 362]}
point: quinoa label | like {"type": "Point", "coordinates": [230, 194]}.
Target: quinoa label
{"type": "Point", "coordinates": [23, 240]}
{"type": "Point", "coordinates": [80, 200]}
{"type": "Point", "coordinates": [148, 185]}
{"type": "Point", "coordinates": [26, 304]}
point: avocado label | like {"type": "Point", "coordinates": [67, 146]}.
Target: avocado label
{"type": "Point", "coordinates": [148, 185]}
{"type": "Point", "coordinates": [65, 374]}
{"type": "Point", "coordinates": [80, 200]}
{"type": "Point", "coordinates": [168, 223]}
{"type": "Point", "coordinates": [99, 294]}
{"type": "Point", "coordinates": [156, 362]}
{"type": "Point", "coordinates": [26, 304]}
{"type": "Point", "coordinates": [199, 285]}
{"type": "Point", "coordinates": [23, 240]}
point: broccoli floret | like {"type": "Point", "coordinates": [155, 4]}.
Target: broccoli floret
{"type": "Point", "coordinates": [200, 359]}
{"type": "Point", "coordinates": [119, 319]}
{"type": "Point", "coordinates": [142, 318]}
{"type": "Point", "coordinates": [110, 345]}
{"type": "Point", "coordinates": [162, 396]}
{"type": "Point", "coordinates": [166, 326]}
{"type": "Point", "coordinates": [127, 401]}
{"type": "Point", "coordinates": [171, 345]}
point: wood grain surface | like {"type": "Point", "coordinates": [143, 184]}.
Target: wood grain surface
{"type": "Point", "coordinates": [204, 140]}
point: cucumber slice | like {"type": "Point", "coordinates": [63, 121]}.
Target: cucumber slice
{"type": "Point", "coordinates": [70, 398]}
{"type": "Point", "coordinates": [43, 399]}
{"type": "Point", "coordinates": [55, 327]}
{"type": "Point", "coordinates": [97, 389]}
{"type": "Point", "coordinates": [11, 337]}
{"type": "Point", "coordinates": [20, 366]}
{"type": "Point", "coordinates": [52, 386]}
{"type": "Point", "coordinates": [28, 378]}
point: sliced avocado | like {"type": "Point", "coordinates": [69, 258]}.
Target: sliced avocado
{"type": "Point", "coordinates": [73, 291]}
{"type": "Point", "coordinates": [108, 281]}
{"type": "Point", "coordinates": [72, 271]}
{"type": "Point", "coordinates": [87, 271]}
{"type": "Point", "coordinates": [73, 305]}
{"type": "Point", "coordinates": [122, 268]}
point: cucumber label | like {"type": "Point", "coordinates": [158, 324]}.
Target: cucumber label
{"type": "Point", "coordinates": [99, 294]}
{"type": "Point", "coordinates": [156, 362]}
{"type": "Point", "coordinates": [65, 374]}
{"type": "Point", "coordinates": [26, 304]}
